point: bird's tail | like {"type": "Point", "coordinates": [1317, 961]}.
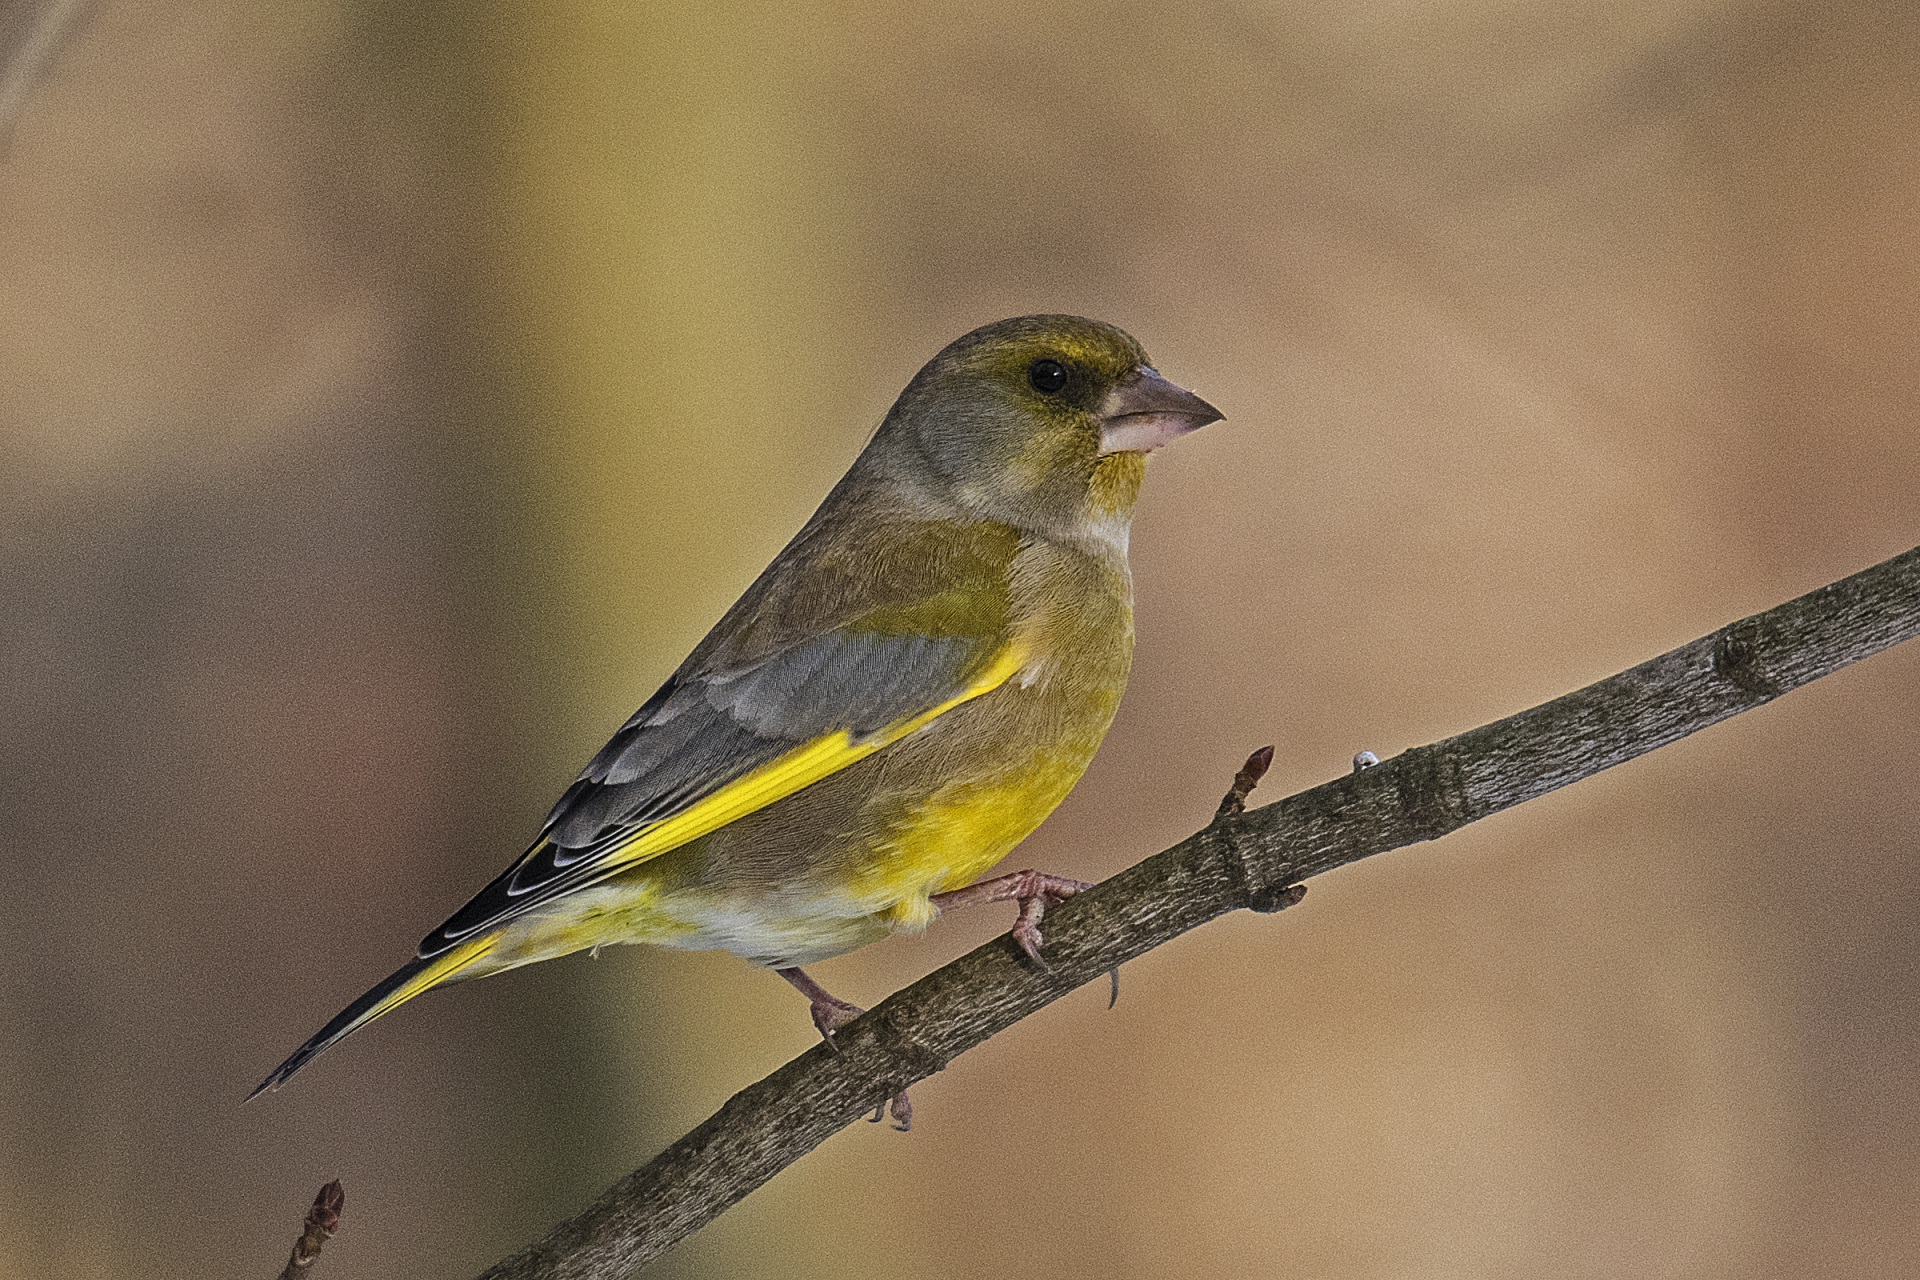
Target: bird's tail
{"type": "Point", "coordinates": [402, 985]}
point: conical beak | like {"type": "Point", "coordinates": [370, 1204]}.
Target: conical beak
{"type": "Point", "coordinates": [1146, 411]}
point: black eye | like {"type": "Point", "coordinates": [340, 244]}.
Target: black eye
{"type": "Point", "coordinates": [1048, 377]}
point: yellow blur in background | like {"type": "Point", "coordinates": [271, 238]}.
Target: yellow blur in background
{"type": "Point", "coordinates": [390, 395]}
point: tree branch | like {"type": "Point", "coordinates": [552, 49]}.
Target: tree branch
{"type": "Point", "coordinates": [1252, 859]}
{"type": "Point", "coordinates": [322, 1221]}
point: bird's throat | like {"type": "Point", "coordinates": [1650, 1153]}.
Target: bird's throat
{"type": "Point", "coordinates": [1116, 485]}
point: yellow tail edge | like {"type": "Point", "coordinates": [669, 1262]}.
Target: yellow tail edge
{"type": "Point", "coordinates": [403, 984]}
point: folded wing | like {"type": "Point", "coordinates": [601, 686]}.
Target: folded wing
{"type": "Point", "coordinates": [713, 746]}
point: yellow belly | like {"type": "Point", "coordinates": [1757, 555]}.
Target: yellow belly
{"type": "Point", "coordinates": [955, 835]}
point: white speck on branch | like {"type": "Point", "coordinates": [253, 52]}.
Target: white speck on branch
{"type": "Point", "coordinates": [1252, 859]}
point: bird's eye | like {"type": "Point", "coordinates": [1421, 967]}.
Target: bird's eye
{"type": "Point", "coordinates": [1048, 377]}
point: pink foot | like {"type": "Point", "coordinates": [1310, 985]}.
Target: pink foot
{"type": "Point", "coordinates": [902, 1112]}
{"type": "Point", "coordinates": [1035, 891]}
{"type": "Point", "coordinates": [830, 1013]}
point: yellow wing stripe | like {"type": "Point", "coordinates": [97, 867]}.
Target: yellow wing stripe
{"type": "Point", "coordinates": [433, 975]}
{"type": "Point", "coordinates": [801, 767]}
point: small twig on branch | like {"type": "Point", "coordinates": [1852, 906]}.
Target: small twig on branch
{"type": "Point", "coordinates": [322, 1221]}
{"type": "Point", "coordinates": [1235, 801]}
{"type": "Point", "coordinates": [1241, 859]}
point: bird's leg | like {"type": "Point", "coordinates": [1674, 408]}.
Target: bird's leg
{"type": "Point", "coordinates": [1035, 891]}
{"type": "Point", "coordinates": [830, 1013]}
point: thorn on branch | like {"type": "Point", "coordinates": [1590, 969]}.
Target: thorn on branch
{"type": "Point", "coordinates": [1235, 801]}
{"type": "Point", "coordinates": [322, 1221]}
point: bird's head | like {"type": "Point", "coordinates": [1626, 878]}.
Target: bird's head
{"type": "Point", "coordinates": [1042, 422]}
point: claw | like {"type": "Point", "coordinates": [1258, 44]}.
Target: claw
{"type": "Point", "coordinates": [1026, 927]}
{"type": "Point", "coordinates": [902, 1112]}
{"type": "Point", "coordinates": [1035, 891]}
{"type": "Point", "coordinates": [829, 1012]}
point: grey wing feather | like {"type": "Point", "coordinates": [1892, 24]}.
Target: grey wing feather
{"type": "Point", "coordinates": [703, 730]}
{"type": "Point", "coordinates": [708, 730]}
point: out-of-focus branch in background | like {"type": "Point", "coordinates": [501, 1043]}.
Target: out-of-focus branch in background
{"type": "Point", "coordinates": [31, 38]}
{"type": "Point", "coordinates": [1238, 860]}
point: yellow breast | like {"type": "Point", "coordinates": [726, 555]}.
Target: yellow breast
{"type": "Point", "coordinates": [1014, 756]}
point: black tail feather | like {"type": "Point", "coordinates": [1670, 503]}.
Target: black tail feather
{"type": "Point", "coordinates": [344, 1024]}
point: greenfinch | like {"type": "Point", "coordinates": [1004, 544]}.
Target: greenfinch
{"type": "Point", "coordinates": [912, 685]}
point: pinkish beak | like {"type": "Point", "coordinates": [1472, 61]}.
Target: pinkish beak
{"type": "Point", "coordinates": [1146, 411]}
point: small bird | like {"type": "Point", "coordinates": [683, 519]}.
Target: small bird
{"type": "Point", "coordinates": [912, 685]}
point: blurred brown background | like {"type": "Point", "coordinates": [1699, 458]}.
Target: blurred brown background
{"type": "Point", "coordinates": [390, 394]}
